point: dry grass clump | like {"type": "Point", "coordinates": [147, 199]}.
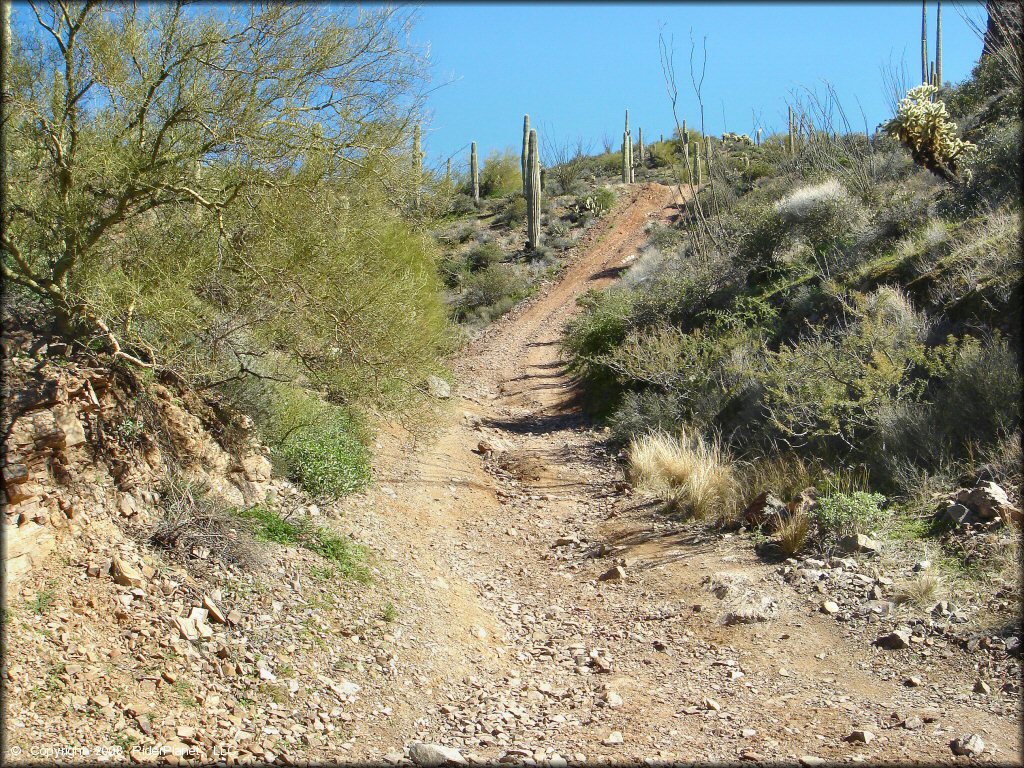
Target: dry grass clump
{"type": "Point", "coordinates": [924, 589]}
{"type": "Point", "coordinates": [686, 470]}
{"type": "Point", "coordinates": [804, 201]}
{"type": "Point", "coordinates": [196, 523]}
{"type": "Point", "coordinates": [792, 532]}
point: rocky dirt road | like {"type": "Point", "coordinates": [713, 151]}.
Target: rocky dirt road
{"type": "Point", "coordinates": [513, 647]}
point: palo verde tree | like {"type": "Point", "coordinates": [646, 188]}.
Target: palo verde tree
{"type": "Point", "coordinates": [184, 177]}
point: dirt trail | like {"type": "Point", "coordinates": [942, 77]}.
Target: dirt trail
{"type": "Point", "coordinates": [512, 645]}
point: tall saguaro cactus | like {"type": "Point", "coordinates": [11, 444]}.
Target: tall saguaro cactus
{"type": "Point", "coordinates": [924, 41]}
{"type": "Point", "coordinates": [417, 166]}
{"type": "Point", "coordinates": [533, 194]}
{"type": "Point", "coordinates": [938, 43]}
{"type": "Point", "coordinates": [526, 149]}
{"type": "Point", "coordinates": [640, 144]}
{"type": "Point", "coordinates": [474, 172]}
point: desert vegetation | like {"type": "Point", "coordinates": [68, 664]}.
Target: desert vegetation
{"type": "Point", "coordinates": [845, 306]}
{"type": "Point", "coordinates": [185, 198]}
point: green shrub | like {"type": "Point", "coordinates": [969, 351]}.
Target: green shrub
{"type": "Point", "coordinates": [483, 255]}
{"type": "Point", "coordinates": [824, 213]}
{"type": "Point", "coordinates": [758, 169]}
{"type": "Point", "coordinates": [327, 456]}
{"type": "Point", "coordinates": [973, 407]}
{"type": "Point", "coordinates": [994, 171]}
{"type": "Point", "coordinates": [842, 514]}
{"type": "Point", "coordinates": [604, 200]}
{"type": "Point", "coordinates": [319, 444]}
{"type": "Point", "coordinates": [664, 154]}
{"type": "Point", "coordinates": [490, 292]}
{"type": "Point", "coordinates": [599, 328]}
{"type": "Point", "coordinates": [462, 205]}
{"type": "Point", "coordinates": [513, 212]}
{"type": "Point", "coordinates": [835, 383]}
{"type": "Point", "coordinates": [644, 412]}
{"type": "Point", "coordinates": [501, 174]}
{"type": "Point", "coordinates": [267, 525]}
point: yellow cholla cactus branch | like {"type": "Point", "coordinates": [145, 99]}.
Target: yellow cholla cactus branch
{"type": "Point", "coordinates": [923, 126]}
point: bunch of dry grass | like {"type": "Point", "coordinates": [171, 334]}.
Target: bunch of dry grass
{"type": "Point", "coordinates": [194, 522]}
{"type": "Point", "coordinates": [793, 531]}
{"type": "Point", "coordinates": [686, 470]}
{"type": "Point", "coordinates": [924, 589]}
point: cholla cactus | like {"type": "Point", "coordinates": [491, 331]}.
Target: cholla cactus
{"type": "Point", "coordinates": [923, 127]}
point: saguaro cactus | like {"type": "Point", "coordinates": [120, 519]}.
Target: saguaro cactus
{"type": "Point", "coordinates": [759, 137]}
{"type": "Point", "coordinates": [526, 149]}
{"type": "Point", "coordinates": [938, 43]}
{"type": "Point", "coordinates": [474, 172]}
{"type": "Point", "coordinates": [924, 41]}
{"type": "Point", "coordinates": [417, 166]}
{"type": "Point", "coordinates": [640, 145]}
{"type": "Point", "coordinates": [628, 143]}
{"type": "Point", "coordinates": [533, 194]}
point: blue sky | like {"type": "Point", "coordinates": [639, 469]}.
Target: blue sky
{"type": "Point", "coordinates": [576, 67]}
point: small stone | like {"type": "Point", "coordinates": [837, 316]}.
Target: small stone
{"type": "Point", "coordinates": [438, 387]}
{"type": "Point", "coordinates": [923, 565]}
{"type": "Point", "coordinates": [614, 574]}
{"type": "Point", "coordinates": [859, 543]}
{"type": "Point", "coordinates": [913, 723]}
{"type": "Point", "coordinates": [860, 736]}
{"type": "Point", "coordinates": [613, 700]}
{"type": "Point", "coordinates": [711, 704]}
{"type": "Point", "coordinates": [434, 754]}
{"type": "Point", "coordinates": [810, 761]}
{"type": "Point", "coordinates": [971, 745]}
{"type": "Point", "coordinates": [982, 687]}
{"type": "Point", "coordinates": [896, 640]}
{"type": "Point", "coordinates": [213, 610]}
{"type": "Point", "coordinates": [187, 628]}
{"type": "Point", "coordinates": [126, 574]}
{"type": "Point", "coordinates": [912, 682]}
{"type": "Point", "coordinates": [830, 607]}
{"type": "Point", "coordinates": [615, 737]}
